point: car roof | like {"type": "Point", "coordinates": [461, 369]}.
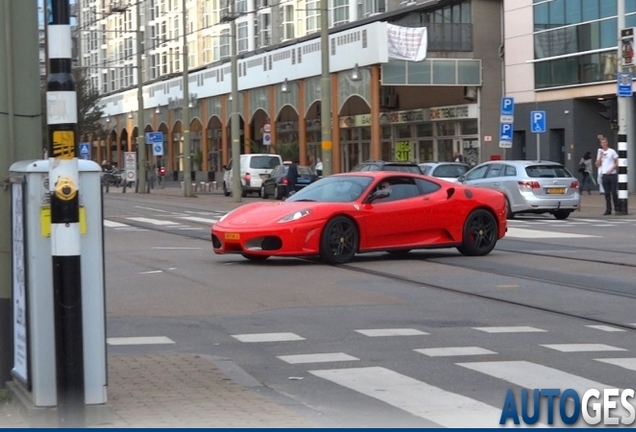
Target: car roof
{"type": "Point", "coordinates": [376, 174]}
{"type": "Point", "coordinates": [387, 163]}
{"type": "Point", "coordinates": [431, 163]}
{"type": "Point", "coordinates": [524, 162]}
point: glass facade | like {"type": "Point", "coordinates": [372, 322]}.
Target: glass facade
{"type": "Point", "coordinates": [575, 41]}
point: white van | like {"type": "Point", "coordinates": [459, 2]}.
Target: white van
{"type": "Point", "coordinates": [253, 166]}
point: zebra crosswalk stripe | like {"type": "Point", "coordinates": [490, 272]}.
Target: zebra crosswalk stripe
{"type": "Point", "coordinates": [199, 219]}
{"type": "Point", "coordinates": [152, 221]}
{"type": "Point", "coordinates": [416, 397]}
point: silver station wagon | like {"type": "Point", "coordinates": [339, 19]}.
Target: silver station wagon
{"type": "Point", "coordinates": [529, 186]}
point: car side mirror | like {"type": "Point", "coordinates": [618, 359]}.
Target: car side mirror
{"type": "Point", "coordinates": [461, 178]}
{"type": "Point", "coordinates": [379, 194]}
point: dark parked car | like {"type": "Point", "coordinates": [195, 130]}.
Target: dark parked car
{"type": "Point", "coordinates": [379, 165]}
{"type": "Point", "coordinates": [276, 183]}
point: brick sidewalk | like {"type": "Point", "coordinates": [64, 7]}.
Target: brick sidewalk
{"type": "Point", "coordinates": [178, 390]}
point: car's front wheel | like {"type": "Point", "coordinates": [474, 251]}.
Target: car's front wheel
{"type": "Point", "coordinates": [480, 233]}
{"type": "Point", "coordinates": [339, 240]}
{"type": "Point", "coordinates": [562, 214]}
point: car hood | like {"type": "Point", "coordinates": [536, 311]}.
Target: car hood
{"type": "Point", "coordinates": [263, 213]}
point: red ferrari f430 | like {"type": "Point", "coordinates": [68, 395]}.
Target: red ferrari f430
{"type": "Point", "coordinates": [342, 215]}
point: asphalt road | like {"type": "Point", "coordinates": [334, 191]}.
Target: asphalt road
{"type": "Point", "coordinates": [433, 339]}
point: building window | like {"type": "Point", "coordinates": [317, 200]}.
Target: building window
{"type": "Point", "coordinates": [241, 6]}
{"type": "Point", "coordinates": [288, 22]}
{"type": "Point", "coordinates": [265, 27]}
{"type": "Point", "coordinates": [207, 50]}
{"type": "Point", "coordinates": [177, 60]}
{"type": "Point", "coordinates": [241, 29]}
{"type": "Point", "coordinates": [340, 12]}
{"type": "Point", "coordinates": [225, 44]}
{"type": "Point", "coordinates": [312, 13]}
{"type": "Point", "coordinates": [368, 7]}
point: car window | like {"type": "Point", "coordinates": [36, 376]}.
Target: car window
{"type": "Point", "coordinates": [403, 168]}
{"type": "Point", "coordinates": [373, 168]}
{"type": "Point", "coordinates": [304, 170]}
{"type": "Point", "coordinates": [400, 187]}
{"type": "Point", "coordinates": [426, 187]}
{"type": "Point", "coordinates": [264, 162]}
{"type": "Point", "coordinates": [477, 173]}
{"type": "Point", "coordinates": [547, 171]}
{"type": "Point", "coordinates": [275, 172]}
{"type": "Point", "coordinates": [510, 171]}
{"type": "Point", "coordinates": [334, 189]}
{"type": "Point", "coordinates": [426, 169]}
{"type": "Point", "coordinates": [495, 171]}
{"type": "Point", "coordinates": [358, 168]}
{"type": "Point", "coordinates": [450, 171]}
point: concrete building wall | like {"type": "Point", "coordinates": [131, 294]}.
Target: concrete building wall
{"type": "Point", "coordinates": [519, 49]}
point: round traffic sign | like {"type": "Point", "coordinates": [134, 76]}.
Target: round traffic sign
{"type": "Point", "coordinates": [267, 128]}
{"type": "Point", "coordinates": [267, 139]}
{"type": "Point", "coordinates": [158, 148]}
{"type": "Point", "coordinates": [130, 174]}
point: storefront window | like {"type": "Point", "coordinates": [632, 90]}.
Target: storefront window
{"type": "Point", "coordinates": [445, 150]}
{"type": "Point", "coordinates": [469, 127]}
{"type": "Point", "coordinates": [427, 152]}
{"type": "Point", "coordinates": [387, 151]}
{"type": "Point", "coordinates": [404, 131]}
{"type": "Point", "coordinates": [445, 128]}
{"type": "Point", "coordinates": [365, 133]}
{"type": "Point", "coordinates": [386, 132]}
{"type": "Point", "coordinates": [424, 129]}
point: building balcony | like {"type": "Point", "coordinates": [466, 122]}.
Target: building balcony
{"type": "Point", "coordinates": [450, 37]}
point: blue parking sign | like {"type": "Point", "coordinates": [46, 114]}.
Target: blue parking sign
{"type": "Point", "coordinates": [537, 121]}
{"type": "Point", "coordinates": [507, 106]}
{"type": "Point", "coordinates": [85, 150]}
{"type": "Point", "coordinates": [505, 132]}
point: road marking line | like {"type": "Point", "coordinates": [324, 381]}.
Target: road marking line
{"type": "Point", "coordinates": [176, 248]}
{"type": "Point", "coordinates": [199, 219]}
{"type": "Point", "coordinates": [186, 228]}
{"type": "Point", "coordinates": [605, 328]}
{"type": "Point", "coordinates": [391, 332]}
{"type": "Point", "coordinates": [152, 221]}
{"type": "Point", "coordinates": [113, 224]}
{"type": "Point", "coordinates": [317, 358]}
{"type": "Point", "coordinates": [454, 351]}
{"type": "Point", "coordinates": [625, 363]}
{"type": "Point", "coordinates": [527, 233]}
{"type": "Point", "coordinates": [267, 337]}
{"type": "Point", "coordinates": [507, 286]}
{"type": "Point", "coordinates": [510, 329]}
{"type": "Point", "coordinates": [151, 272]}
{"type": "Point", "coordinates": [153, 209]}
{"type": "Point", "coordinates": [413, 396]}
{"type": "Point", "coordinates": [151, 340]}
{"type": "Point", "coordinates": [582, 347]}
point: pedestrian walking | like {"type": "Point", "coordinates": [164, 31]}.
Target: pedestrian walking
{"type": "Point", "coordinates": [607, 164]}
{"type": "Point", "coordinates": [458, 157]}
{"type": "Point", "coordinates": [586, 171]}
{"type": "Point", "coordinates": [292, 177]}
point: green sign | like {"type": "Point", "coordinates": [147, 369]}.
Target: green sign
{"type": "Point", "coordinates": [403, 151]}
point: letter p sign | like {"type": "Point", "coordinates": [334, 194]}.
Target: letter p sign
{"type": "Point", "coordinates": [537, 121]}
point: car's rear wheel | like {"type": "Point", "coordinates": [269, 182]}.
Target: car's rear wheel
{"type": "Point", "coordinates": [226, 192]}
{"type": "Point", "coordinates": [277, 194]}
{"type": "Point", "coordinates": [263, 193]}
{"type": "Point", "coordinates": [339, 240]}
{"type": "Point", "coordinates": [254, 257]}
{"type": "Point", "coordinates": [480, 233]}
{"type": "Point", "coordinates": [562, 214]}
{"type": "Point", "coordinates": [509, 212]}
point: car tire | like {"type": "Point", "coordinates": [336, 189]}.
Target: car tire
{"type": "Point", "coordinates": [562, 214]}
{"type": "Point", "coordinates": [254, 257]}
{"type": "Point", "coordinates": [243, 192]}
{"type": "Point", "coordinates": [509, 213]}
{"type": "Point", "coordinates": [339, 241]}
{"type": "Point", "coordinates": [277, 194]}
{"type": "Point", "coordinates": [480, 233]}
{"type": "Point", "coordinates": [225, 191]}
{"type": "Point", "coordinates": [263, 193]}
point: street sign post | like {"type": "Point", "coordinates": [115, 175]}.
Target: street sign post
{"type": "Point", "coordinates": [85, 150]}
{"type": "Point", "coordinates": [538, 122]}
{"type": "Point", "coordinates": [624, 84]}
{"type": "Point", "coordinates": [130, 166]}
{"type": "Point", "coordinates": [506, 123]}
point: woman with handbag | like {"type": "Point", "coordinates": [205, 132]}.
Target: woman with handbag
{"type": "Point", "coordinates": [586, 170]}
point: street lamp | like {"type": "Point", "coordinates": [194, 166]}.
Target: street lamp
{"type": "Point", "coordinates": [185, 115]}
{"type": "Point", "coordinates": [325, 90]}
{"type": "Point", "coordinates": [284, 88]}
{"type": "Point", "coordinates": [237, 188]}
{"type": "Point", "coordinates": [355, 75]}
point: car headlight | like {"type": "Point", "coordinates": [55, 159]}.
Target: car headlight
{"type": "Point", "coordinates": [295, 216]}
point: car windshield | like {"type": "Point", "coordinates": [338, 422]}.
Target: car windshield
{"type": "Point", "coordinates": [264, 162]}
{"type": "Point", "coordinates": [302, 170]}
{"type": "Point", "coordinates": [450, 171]}
{"type": "Point", "coordinates": [403, 168]}
{"type": "Point", "coordinates": [547, 171]}
{"type": "Point", "coordinates": [334, 189]}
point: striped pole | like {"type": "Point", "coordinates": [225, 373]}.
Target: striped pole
{"type": "Point", "coordinates": [622, 173]}
{"type": "Point", "coordinates": [61, 116]}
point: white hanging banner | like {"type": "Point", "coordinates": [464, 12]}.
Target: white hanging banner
{"type": "Point", "coordinates": [407, 43]}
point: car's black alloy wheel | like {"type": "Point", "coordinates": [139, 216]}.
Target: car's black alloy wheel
{"type": "Point", "coordinates": [339, 240]}
{"type": "Point", "coordinates": [480, 233]}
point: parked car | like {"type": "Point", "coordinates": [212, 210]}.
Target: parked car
{"type": "Point", "coordinates": [341, 215]}
{"type": "Point", "coordinates": [254, 168]}
{"type": "Point", "coordinates": [276, 183]}
{"type": "Point", "coordinates": [379, 165]}
{"type": "Point", "coordinates": [449, 171]}
{"type": "Point", "coordinates": [529, 186]}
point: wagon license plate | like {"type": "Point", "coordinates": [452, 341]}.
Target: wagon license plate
{"type": "Point", "coordinates": [232, 236]}
{"type": "Point", "coordinates": [556, 191]}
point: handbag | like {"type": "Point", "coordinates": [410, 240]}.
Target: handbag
{"type": "Point", "coordinates": [581, 167]}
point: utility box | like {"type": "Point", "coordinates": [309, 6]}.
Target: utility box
{"type": "Point", "coordinates": [34, 370]}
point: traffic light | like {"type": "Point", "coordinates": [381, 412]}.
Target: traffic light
{"type": "Point", "coordinates": [610, 110]}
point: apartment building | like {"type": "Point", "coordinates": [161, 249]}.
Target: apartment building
{"type": "Point", "coordinates": [561, 57]}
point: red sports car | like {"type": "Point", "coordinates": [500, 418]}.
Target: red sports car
{"type": "Point", "coordinates": [341, 215]}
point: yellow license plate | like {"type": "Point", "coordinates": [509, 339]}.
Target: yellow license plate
{"type": "Point", "coordinates": [556, 191]}
{"type": "Point", "coordinates": [232, 236]}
